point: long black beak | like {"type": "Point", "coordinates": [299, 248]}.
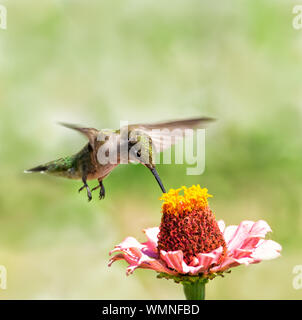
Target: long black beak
{"type": "Point", "coordinates": [154, 172]}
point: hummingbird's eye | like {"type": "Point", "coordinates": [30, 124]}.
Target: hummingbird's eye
{"type": "Point", "coordinates": [139, 153]}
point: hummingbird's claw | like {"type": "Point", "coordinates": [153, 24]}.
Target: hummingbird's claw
{"type": "Point", "coordinates": [84, 186]}
{"type": "Point", "coordinates": [102, 191]}
{"type": "Point", "coordinates": [89, 194]}
{"type": "Point", "coordinates": [88, 191]}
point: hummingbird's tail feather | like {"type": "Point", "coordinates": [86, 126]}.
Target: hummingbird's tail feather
{"type": "Point", "coordinates": [61, 167]}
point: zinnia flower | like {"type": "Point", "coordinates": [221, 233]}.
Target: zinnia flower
{"type": "Point", "coordinates": [190, 246]}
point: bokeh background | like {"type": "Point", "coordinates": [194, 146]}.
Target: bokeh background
{"type": "Point", "coordinates": [99, 62]}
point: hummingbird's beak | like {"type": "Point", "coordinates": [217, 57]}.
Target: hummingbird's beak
{"type": "Point", "coordinates": [154, 172]}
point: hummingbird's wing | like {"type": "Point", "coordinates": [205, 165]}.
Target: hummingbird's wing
{"type": "Point", "coordinates": [165, 134]}
{"type": "Point", "coordinates": [90, 133]}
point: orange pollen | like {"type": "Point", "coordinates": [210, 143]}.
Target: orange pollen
{"type": "Point", "coordinates": [194, 197]}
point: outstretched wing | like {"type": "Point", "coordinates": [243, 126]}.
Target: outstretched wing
{"type": "Point", "coordinates": [90, 133]}
{"type": "Point", "coordinates": [165, 134]}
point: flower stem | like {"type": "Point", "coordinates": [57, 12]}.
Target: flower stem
{"type": "Point", "coordinates": [194, 290]}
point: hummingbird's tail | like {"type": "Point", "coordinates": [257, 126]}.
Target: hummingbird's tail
{"type": "Point", "coordinates": [41, 168]}
{"type": "Point", "coordinates": [61, 167]}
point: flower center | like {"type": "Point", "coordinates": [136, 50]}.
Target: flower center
{"type": "Point", "coordinates": [188, 224]}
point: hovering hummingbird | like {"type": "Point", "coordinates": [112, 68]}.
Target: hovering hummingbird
{"type": "Point", "coordinates": [138, 142]}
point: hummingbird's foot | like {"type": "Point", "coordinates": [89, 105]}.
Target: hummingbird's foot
{"type": "Point", "coordinates": [102, 191]}
{"type": "Point", "coordinates": [88, 191]}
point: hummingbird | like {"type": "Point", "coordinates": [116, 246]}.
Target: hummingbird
{"type": "Point", "coordinates": [131, 143]}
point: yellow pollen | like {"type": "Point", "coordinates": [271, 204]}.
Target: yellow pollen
{"type": "Point", "coordinates": [194, 198]}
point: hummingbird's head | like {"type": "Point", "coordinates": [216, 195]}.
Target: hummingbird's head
{"type": "Point", "coordinates": [142, 150]}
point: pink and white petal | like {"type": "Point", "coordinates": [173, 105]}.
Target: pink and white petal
{"type": "Point", "coordinates": [140, 260]}
{"type": "Point", "coordinates": [150, 252]}
{"type": "Point", "coordinates": [209, 259]}
{"type": "Point", "coordinates": [133, 264]}
{"type": "Point", "coordinates": [248, 235]}
{"type": "Point", "coordinates": [151, 234]}
{"type": "Point", "coordinates": [245, 260]}
{"type": "Point", "coordinates": [260, 229]}
{"type": "Point", "coordinates": [195, 270]}
{"type": "Point", "coordinates": [257, 232]}
{"type": "Point", "coordinates": [197, 267]}
{"type": "Point", "coordinates": [129, 242]}
{"type": "Point", "coordinates": [194, 262]}
{"type": "Point", "coordinates": [156, 265]}
{"type": "Point", "coordinates": [229, 233]}
{"type": "Point", "coordinates": [250, 243]}
{"type": "Point", "coordinates": [174, 260]}
{"type": "Point", "coordinates": [133, 255]}
{"type": "Point", "coordinates": [240, 235]}
{"type": "Point", "coordinates": [266, 250]}
{"type": "Point", "coordinates": [119, 256]}
{"type": "Point", "coordinates": [221, 225]}
{"type": "Point", "coordinates": [241, 253]}
{"type": "Point", "coordinates": [228, 262]}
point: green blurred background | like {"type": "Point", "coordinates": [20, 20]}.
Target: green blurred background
{"type": "Point", "coordinates": [100, 62]}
